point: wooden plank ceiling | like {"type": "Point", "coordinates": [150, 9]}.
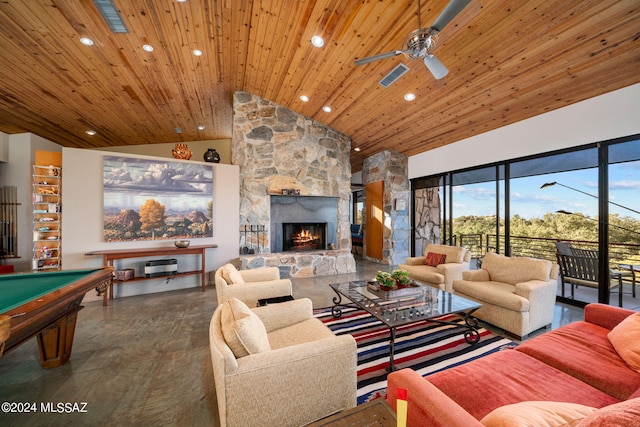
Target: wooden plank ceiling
{"type": "Point", "coordinates": [508, 60]}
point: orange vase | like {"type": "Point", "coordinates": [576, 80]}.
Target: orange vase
{"type": "Point", "coordinates": [181, 151]}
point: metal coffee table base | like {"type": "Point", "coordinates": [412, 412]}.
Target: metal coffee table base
{"type": "Point", "coordinates": [470, 326]}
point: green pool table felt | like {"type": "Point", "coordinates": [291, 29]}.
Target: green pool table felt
{"type": "Point", "coordinates": [20, 288]}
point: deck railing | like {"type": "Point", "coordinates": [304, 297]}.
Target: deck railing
{"type": "Point", "coordinates": [545, 248]}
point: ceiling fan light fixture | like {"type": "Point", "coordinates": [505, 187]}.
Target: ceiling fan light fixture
{"type": "Point", "coordinates": [420, 43]}
{"type": "Point", "coordinates": [436, 67]}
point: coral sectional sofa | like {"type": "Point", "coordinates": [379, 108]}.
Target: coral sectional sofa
{"type": "Point", "coordinates": [585, 374]}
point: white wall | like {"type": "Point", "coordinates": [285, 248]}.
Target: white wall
{"type": "Point", "coordinates": [82, 213]}
{"type": "Point", "coordinates": [615, 114]}
{"type": "Point", "coordinates": [222, 146]}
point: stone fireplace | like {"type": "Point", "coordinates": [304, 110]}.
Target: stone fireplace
{"type": "Point", "coordinates": [281, 153]}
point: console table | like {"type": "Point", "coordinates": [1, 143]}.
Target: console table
{"type": "Point", "coordinates": [109, 256]}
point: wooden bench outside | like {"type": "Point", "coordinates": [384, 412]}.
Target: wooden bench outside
{"type": "Point", "coordinates": [583, 271]}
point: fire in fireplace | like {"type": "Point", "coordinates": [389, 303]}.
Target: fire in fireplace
{"type": "Point", "coordinates": [304, 236]}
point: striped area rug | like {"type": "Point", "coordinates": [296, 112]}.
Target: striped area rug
{"type": "Point", "coordinates": [424, 346]}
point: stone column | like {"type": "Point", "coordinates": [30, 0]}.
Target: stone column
{"type": "Point", "coordinates": [392, 168]}
{"type": "Point", "coordinates": [427, 218]}
{"type": "Point", "coordinates": [277, 149]}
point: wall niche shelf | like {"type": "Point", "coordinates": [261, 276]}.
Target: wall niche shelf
{"type": "Point", "coordinates": [47, 218]}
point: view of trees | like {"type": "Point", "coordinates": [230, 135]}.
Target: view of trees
{"type": "Point", "coordinates": [554, 226]}
{"type": "Point", "coordinates": [535, 237]}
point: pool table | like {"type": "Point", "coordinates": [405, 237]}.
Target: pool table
{"type": "Point", "coordinates": [46, 305]}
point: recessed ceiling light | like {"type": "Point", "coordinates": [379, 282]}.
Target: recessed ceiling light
{"type": "Point", "coordinates": [326, 109]}
{"type": "Point", "coordinates": [86, 41]}
{"type": "Point", "coordinates": [409, 97]}
{"type": "Point", "coordinates": [304, 98]}
{"type": "Point", "coordinates": [317, 41]}
{"type": "Point", "coordinates": [147, 47]}
{"type": "Point", "coordinates": [201, 127]}
{"type": "Point", "coordinates": [181, 1]}
{"type": "Point", "coordinates": [197, 52]}
{"type": "Point", "coordinates": [90, 132]}
{"type": "Point", "coordinates": [356, 149]}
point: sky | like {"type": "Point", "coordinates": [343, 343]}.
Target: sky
{"type": "Point", "coordinates": [530, 201]}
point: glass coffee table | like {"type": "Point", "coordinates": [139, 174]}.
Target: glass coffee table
{"type": "Point", "coordinates": [406, 306]}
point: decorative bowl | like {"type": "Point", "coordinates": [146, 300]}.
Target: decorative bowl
{"type": "Point", "coordinates": [182, 243]}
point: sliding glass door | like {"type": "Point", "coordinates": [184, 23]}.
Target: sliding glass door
{"type": "Point", "coordinates": [585, 199]}
{"type": "Point", "coordinates": [623, 219]}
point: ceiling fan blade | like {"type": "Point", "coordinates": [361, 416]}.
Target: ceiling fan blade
{"type": "Point", "coordinates": [453, 8]}
{"type": "Point", "coordinates": [377, 57]}
{"type": "Point", "coordinates": [436, 67]}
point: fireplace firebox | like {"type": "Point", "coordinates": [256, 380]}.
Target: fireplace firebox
{"type": "Point", "coordinates": [304, 236]}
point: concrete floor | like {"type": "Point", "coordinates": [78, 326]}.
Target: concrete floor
{"type": "Point", "coordinates": [144, 360]}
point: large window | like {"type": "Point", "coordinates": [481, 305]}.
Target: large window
{"type": "Point", "coordinates": [623, 216]}
{"type": "Point", "coordinates": [357, 204]}
{"type": "Point", "coordinates": [524, 207]}
{"type": "Point", "coordinates": [477, 209]}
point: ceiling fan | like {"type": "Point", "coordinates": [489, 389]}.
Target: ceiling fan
{"type": "Point", "coordinates": [422, 42]}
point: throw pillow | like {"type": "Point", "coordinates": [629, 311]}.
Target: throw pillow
{"type": "Point", "coordinates": [242, 329]}
{"type": "Point", "coordinates": [538, 413]}
{"type": "Point", "coordinates": [453, 253]}
{"type": "Point", "coordinates": [434, 259]}
{"type": "Point", "coordinates": [234, 274]}
{"type": "Point", "coordinates": [622, 414]}
{"type": "Point", "coordinates": [625, 339]}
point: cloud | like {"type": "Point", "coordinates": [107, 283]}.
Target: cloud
{"type": "Point", "coordinates": [625, 185]}
{"type": "Point", "coordinates": [475, 193]}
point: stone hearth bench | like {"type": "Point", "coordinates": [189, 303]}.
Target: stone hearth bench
{"type": "Point", "coordinates": [303, 264]}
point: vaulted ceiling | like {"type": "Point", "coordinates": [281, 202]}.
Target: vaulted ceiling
{"type": "Point", "coordinates": [508, 60]}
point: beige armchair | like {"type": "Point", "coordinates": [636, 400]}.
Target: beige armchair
{"type": "Point", "coordinates": [440, 274]}
{"type": "Point", "coordinates": [517, 294]}
{"type": "Point", "coordinates": [249, 286]}
{"type": "Point", "coordinates": [277, 365]}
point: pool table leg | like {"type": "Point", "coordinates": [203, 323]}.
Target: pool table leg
{"type": "Point", "coordinates": [5, 331]}
{"type": "Point", "coordinates": [55, 341]}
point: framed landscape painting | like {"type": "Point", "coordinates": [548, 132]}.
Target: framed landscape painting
{"type": "Point", "coordinates": [155, 200]}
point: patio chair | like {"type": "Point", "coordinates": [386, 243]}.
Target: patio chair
{"type": "Point", "coordinates": [566, 248]}
{"type": "Point", "coordinates": [583, 271]}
